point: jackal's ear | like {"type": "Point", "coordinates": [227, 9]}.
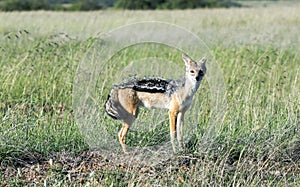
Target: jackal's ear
{"type": "Point", "coordinates": [186, 59]}
{"type": "Point", "coordinates": [203, 60]}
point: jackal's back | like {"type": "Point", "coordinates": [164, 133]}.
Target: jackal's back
{"type": "Point", "coordinates": [150, 92]}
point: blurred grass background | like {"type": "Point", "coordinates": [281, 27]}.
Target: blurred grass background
{"type": "Point", "coordinates": [256, 49]}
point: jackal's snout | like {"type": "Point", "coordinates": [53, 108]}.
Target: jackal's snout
{"type": "Point", "coordinates": [200, 75]}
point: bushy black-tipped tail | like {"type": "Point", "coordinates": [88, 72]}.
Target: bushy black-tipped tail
{"type": "Point", "coordinates": [110, 108]}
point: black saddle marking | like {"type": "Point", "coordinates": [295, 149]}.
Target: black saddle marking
{"type": "Point", "coordinates": [153, 85]}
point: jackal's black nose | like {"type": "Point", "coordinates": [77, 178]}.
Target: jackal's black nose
{"type": "Point", "coordinates": [201, 74]}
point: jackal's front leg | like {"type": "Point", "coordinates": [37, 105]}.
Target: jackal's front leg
{"type": "Point", "coordinates": [172, 118]}
{"type": "Point", "coordinates": [179, 128]}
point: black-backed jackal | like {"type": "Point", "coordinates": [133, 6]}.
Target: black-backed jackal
{"type": "Point", "coordinates": [175, 95]}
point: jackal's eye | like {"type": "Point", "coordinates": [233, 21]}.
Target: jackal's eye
{"type": "Point", "coordinates": [192, 71]}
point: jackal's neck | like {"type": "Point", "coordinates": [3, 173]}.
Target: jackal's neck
{"type": "Point", "coordinates": [190, 87]}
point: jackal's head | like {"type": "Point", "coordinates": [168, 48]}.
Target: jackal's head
{"type": "Point", "coordinates": [195, 71]}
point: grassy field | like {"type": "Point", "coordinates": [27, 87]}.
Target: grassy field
{"type": "Point", "coordinates": [257, 142]}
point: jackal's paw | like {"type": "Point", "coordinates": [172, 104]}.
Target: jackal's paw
{"type": "Point", "coordinates": [125, 151]}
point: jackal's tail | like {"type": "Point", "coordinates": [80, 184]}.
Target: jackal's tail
{"type": "Point", "coordinates": [113, 106]}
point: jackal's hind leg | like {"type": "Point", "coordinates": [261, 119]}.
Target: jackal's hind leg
{"type": "Point", "coordinates": [129, 102]}
{"type": "Point", "coordinates": [122, 136]}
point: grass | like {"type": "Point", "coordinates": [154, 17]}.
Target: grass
{"type": "Point", "coordinates": [258, 140]}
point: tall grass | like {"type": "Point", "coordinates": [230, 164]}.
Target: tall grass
{"type": "Point", "coordinates": [256, 49]}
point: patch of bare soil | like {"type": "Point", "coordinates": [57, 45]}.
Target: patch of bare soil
{"type": "Point", "coordinates": [81, 168]}
{"type": "Point", "coordinates": [95, 168]}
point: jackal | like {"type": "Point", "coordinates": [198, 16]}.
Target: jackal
{"type": "Point", "coordinates": [175, 95]}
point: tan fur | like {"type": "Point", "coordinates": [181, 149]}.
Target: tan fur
{"type": "Point", "coordinates": [124, 102]}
